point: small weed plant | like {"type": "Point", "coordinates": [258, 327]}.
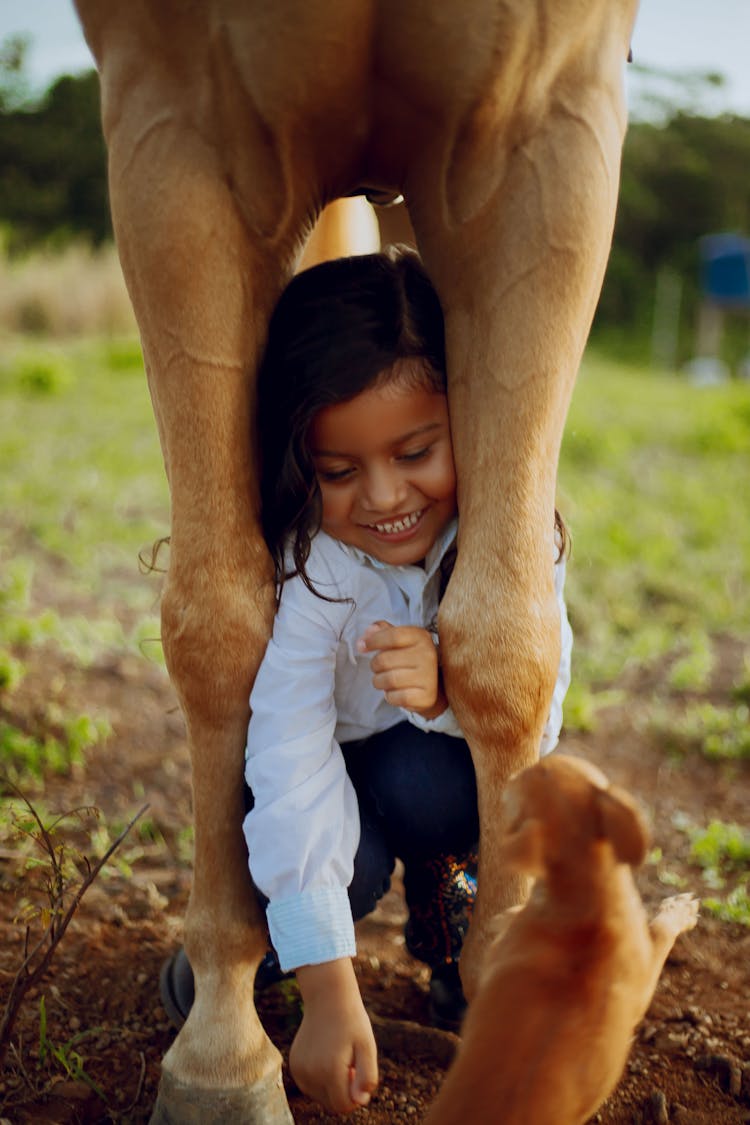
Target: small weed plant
{"type": "Point", "coordinates": [721, 847]}
{"type": "Point", "coordinates": [65, 1056]}
{"type": "Point", "coordinates": [734, 908]}
{"type": "Point", "coordinates": [722, 851]}
{"type": "Point", "coordinates": [29, 757]}
{"type": "Point", "coordinates": [56, 878]}
{"type": "Point", "coordinates": [718, 732]}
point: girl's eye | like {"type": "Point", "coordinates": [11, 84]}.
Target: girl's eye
{"type": "Point", "coordinates": [416, 454]}
{"type": "Point", "coordinates": [332, 475]}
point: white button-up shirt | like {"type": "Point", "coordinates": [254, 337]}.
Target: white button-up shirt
{"type": "Point", "coordinates": [314, 691]}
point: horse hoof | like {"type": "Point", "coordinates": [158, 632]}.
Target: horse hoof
{"type": "Point", "coordinates": [264, 1103]}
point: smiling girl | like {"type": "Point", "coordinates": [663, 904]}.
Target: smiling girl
{"type": "Point", "coordinates": [354, 757]}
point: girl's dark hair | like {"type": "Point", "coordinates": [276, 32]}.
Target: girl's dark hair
{"type": "Point", "coordinates": [338, 328]}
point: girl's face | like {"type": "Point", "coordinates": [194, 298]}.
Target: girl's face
{"type": "Point", "coordinates": [384, 464]}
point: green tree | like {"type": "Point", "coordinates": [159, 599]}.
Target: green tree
{"type": "Point", "coordinates": [52, 157]}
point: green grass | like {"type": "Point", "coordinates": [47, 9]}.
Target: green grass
{"type": "Point", "coordinates": [718, 732]}
{"type": "Point", "coordinates": [654, 480]}
{"type": "Point", "coordinates": [722, 851]}
{"type": "Point", "coordinates": [721, 846]}
{"type": "Point", "coordinates": [82, 481]}
{"type": "Point", "coordinates": [80, 466]}
{"type": "Point", "coordinates": [82, 491]}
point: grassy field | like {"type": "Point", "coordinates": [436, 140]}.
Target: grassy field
{"type": "Point", "coordinates": [654, 481]}
{"type": "Point", "coordinates": [82, 483]}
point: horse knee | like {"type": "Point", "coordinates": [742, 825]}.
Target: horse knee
{"type": "Point", "coordinates": [214, 635]}
{"type": "Point", "coordinates": [500, 668]}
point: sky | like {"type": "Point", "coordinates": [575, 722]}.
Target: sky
{"type": "Point", "coordinates": [674, 35]}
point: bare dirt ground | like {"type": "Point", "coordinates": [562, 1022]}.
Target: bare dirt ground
{"type": "Point", "coordinates": [690, 1062]}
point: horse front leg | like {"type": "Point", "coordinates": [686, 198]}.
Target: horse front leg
{"type": "Point", "coordinates": [515, 229]}
{"type": "Point", "coordinates": [215, 622]}
{"type": "Point", "coordinates": [202, 288]}
{"type": "Point", "coordinates": [216, 616]}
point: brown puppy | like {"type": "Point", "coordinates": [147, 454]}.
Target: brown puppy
{"type": "Point", "coordinates": [570, 974]}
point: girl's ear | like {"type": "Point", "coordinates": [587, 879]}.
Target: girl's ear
{"type": "Point", "coordinates": [622, 823]}
{"type": "Point", "coordinates": [523, 850]}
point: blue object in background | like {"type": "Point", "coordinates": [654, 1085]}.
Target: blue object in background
{"type": "Point", "coordinates": [725, 269]}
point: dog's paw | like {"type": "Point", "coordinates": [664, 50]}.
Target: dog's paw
{"type": "Point", "coordinates": [678, 913]}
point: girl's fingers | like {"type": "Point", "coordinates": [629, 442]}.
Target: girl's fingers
{"type": "Point", "coordinates": [403, 690]}
{"type": "Point", "coordinates": [381, 637]}
{"type": "Point", "coordinates": [419, 662]}
{"type": "Point", "coordinates": [363, 1075]}
{"type": "Point", "coordinates": [334, 1090]}
{"type": "Point", "coordinates": [372, 638]}
{"type": "Point", "coordinates": [390, 659]}
{"type": "Point", "coordinates": [396, 679]}
{"type": "Point", "coordinates": [411, 699]}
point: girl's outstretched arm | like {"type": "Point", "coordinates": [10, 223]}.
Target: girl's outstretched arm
{"type": "Point", "coordinates": [333, 1058]}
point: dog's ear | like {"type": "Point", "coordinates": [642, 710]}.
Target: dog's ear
{"type": "Point", "coordinates": [523, 850]}
{"type": "Point", "coordinates": [623, 824]}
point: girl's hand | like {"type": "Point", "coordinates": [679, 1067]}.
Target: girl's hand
{"type": "Point", "coordinates": [333, 1058]}
{"type": "Point", "coordinates": [405, 667]}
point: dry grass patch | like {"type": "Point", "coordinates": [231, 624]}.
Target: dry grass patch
{"type": "Point", "coordinates": [74, 292]}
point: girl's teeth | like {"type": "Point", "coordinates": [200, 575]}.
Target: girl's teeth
{"type": "Point", "coordinates": [398, 525]}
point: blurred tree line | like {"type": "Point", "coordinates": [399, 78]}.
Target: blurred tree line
{"type": "Point", "coordinates": [683, 176]}
{"type": "Point", "coordinates": [52, 157]}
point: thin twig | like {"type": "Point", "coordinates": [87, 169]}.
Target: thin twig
{"type": "Point", "coordinates": [27, 977]}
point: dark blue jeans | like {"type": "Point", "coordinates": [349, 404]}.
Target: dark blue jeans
{"type": "Point", "coordinates": [418, 802]}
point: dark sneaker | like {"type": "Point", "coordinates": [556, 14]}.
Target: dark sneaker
{"type": "Point", "coordinates": [447, 1000]}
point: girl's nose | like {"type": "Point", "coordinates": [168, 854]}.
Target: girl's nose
{"type": "Point", "coordinates": [382, 489]}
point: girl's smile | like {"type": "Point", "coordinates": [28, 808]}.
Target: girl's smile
{"type": "Point", "coordinates": [384, 465]}
{"type": "Point", "coordinates": [399, 524]}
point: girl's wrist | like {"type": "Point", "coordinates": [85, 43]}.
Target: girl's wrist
{"type": "Point", "coordinates": [441, 699]}
{"type": "Point", "coordinates": [440, 705]}
{"type": "Point", "coordinates": [326, 979]}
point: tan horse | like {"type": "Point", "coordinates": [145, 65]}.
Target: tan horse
{"type": "Point", "coordinates": [230, 124]}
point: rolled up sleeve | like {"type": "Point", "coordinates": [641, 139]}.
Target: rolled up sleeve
{"type": "Point", "coordinates": [303, 830]}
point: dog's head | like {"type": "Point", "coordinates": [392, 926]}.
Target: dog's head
{"type": "Point", "coordinates": [563, 809]}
